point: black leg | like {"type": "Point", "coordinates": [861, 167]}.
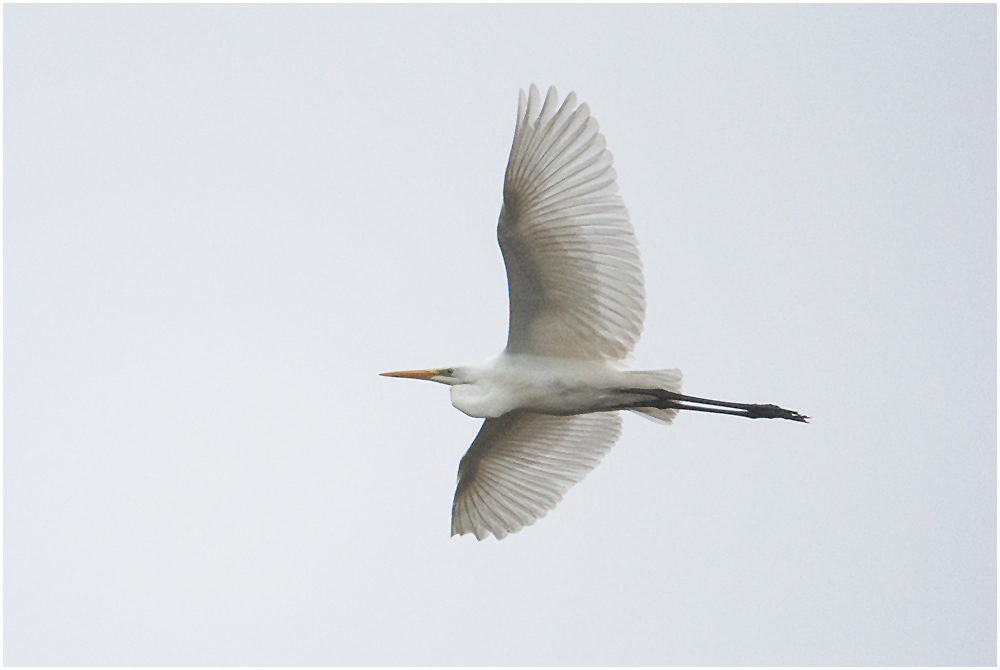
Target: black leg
{"type": "Point", "coordinates": [662, 399]}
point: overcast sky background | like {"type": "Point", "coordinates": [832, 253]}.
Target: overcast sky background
{"type": "Point", "coordinates": [221, 223]}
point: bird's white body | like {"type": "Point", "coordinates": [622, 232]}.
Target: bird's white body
{"type": "Point", "coordinates": [558, 386]}
{"type": "Point", "coordinates": [547, 385]}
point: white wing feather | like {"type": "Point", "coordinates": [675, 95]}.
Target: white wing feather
{"type": "Point", "coordinates": [573, 268]}
{"type": "Point", "coordinates": [520, 465]}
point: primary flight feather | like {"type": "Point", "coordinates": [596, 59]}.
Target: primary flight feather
{"type": "Point", "coordinates": [577, 305]}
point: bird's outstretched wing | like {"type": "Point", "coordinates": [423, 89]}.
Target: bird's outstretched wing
{"type": "Point", "coordinates": [573, 268]}
{"type": "Point", "coordinates": [521, 464]}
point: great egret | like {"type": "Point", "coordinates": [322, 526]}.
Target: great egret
{"type": "Point", "coordinates": [577, 304]}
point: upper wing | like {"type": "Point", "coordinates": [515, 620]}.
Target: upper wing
{"type": "Point", "coordinates": [573, 268]}
{"type": "Point", "coordinates": [520, 465]}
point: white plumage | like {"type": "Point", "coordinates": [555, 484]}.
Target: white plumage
{"type": "Point", "coordinates": [577, 304]}
{"type": "Point", "coordinates": [573, 268]}
{"type": "Point", "coordinates": [520, 465]}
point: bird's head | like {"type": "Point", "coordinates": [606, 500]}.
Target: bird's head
{"type": "Point", "coordinates": [449, 376]}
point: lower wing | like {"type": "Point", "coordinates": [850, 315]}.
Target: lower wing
{"type": "Point", "coordinates": [520, 466]}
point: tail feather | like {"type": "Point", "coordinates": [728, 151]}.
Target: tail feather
{"type": "Point", "coordinates": [668, 380]}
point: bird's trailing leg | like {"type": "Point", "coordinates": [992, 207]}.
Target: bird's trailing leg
{"type": "Point", "coordinates": [663, 399]}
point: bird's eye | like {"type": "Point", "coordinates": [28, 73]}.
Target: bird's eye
{"type": "Point", "coordinates": [449, 371]}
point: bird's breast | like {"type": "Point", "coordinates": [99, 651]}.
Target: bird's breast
{"type": "Point", "coordinates": [484, 402]}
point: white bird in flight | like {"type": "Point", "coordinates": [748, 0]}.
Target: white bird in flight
{"type": "Point", "coordinates": [577, 304]}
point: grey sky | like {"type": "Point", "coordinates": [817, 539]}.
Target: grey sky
{"type": "Point", "coordinates": [220, 223]}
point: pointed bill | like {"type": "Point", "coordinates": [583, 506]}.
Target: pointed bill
{"type": "Point", "coordinates": [411, 374]}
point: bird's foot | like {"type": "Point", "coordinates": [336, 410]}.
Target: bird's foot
{"type": "Point", "coordinates": [774, 412]}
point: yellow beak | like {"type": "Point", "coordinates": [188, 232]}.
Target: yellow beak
{"type": "Point", "coordinates": [412, 374]}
